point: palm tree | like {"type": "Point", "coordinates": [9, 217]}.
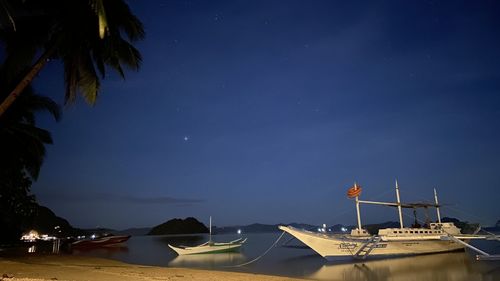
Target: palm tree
{"type": "Point", "coordinates": [87, 35]}
{"type": "Point", "coordinates": [22, 150]}
{"type": "Point", "coordinates": [22, 143]}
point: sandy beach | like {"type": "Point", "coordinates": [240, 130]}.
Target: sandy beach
{"type": "Point", "coordinates": [78, 268]}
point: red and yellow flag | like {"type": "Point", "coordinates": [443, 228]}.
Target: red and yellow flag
{"type": "Point", "coordinates": [354, 191]}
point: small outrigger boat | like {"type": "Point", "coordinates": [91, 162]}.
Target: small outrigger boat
{"type": "Point", "coordinates": [435, 237]}
{"type": "Point", "coordinates": [210, 247]}
{"type": "Point", "coordinates": [103, 241]}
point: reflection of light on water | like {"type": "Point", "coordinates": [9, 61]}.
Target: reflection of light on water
{"type": "Point", "coordinates": [299, 261]}
{"type": "Point", "coordinates": [32, 249]}
{"type": "Point", "coordinates": [449, 266]}
{"type": "Point", "coordinates": [106, 252]}
{"type": "Point", "coordinates": [208, 260]}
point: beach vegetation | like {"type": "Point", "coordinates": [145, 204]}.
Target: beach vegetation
{"type": "Point", "coordinates": [87, 36]}
{"type": "Point", "coordinates": [22, 150]}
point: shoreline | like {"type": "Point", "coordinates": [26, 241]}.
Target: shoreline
{"type": "Point", "coordinates": [79, 268]}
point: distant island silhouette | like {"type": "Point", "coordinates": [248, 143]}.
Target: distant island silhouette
{"type": "Point", "coordinates": [46, 222]}
{"type": "Point", "coordinates": [49, 223]}
{"type": "Point", "coordinates": [179, 226]}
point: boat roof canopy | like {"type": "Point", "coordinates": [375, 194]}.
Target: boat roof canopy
{"type": "Point", "coordinates": [417, 205]}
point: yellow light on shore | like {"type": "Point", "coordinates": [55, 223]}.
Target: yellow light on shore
{"type": "Point", "coordinates": [30, 236]}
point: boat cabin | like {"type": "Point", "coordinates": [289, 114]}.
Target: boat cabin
{"type": "Point", "coordinates": [435, 229]}
{"type": "Point", "coordinates": [362, 232]}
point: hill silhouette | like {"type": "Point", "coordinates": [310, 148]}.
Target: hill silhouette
{"type": "Point", "coordinates": [179, 226]}
{"type": "Point", "coordinates": [46, 222]}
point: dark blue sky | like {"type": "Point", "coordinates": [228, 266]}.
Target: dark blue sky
{"type": "Point", "coordinates": [267, 111]}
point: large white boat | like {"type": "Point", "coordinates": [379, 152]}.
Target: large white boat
{"type": "Point", "coordinates": [435, 237]}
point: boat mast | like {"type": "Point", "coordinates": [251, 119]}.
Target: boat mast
{"type": "Point", "coordinates": [357, 208]}
{"type": "Point", "coordinates": [399, 205]}
{"type": "Point", "coordinates": [437, 205]}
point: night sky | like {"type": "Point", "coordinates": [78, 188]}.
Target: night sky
{"type": "Point", "coordinates": [268, 111]}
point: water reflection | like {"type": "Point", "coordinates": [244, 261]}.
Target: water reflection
{"type": "Point", "coordinates": [302, 262]}
{"type": "Point", "coordinates": [185, 240]}
{"type": "Point", "coordinates": [32, 249]}
{"type": "Point", "coordinates": [102, 251]}
{"type": "Point", "coordinates": [449, 266]}
{"type": "Point", "coordinates": [208, 260]}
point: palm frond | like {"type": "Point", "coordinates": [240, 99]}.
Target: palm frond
{"type": "Point", "coordinates": [89, 81]}
{"type": "Point", "coordinates": [71, 78]}
{"type": "Point", "coordinates": [37, 103]}
{"type": "Point", "coordinates": [120, 18]}
{"type": "Point", "coordinates": [128, 54]}
{"type": "Point", "coordinates": [98, 7]}
{"type": "Point", "coordinates": [99, 61]}
{"type": "Point", "coordinates": [29, 143]}
{"type": "Point", "coordinates": [89, 36]}
{"type": "Point", "coordinates": [5, 16]}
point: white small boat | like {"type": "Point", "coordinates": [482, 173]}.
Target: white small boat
{"type": "Point", "coordinates": [210, 247]}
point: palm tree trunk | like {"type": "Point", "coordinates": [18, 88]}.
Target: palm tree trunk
{"type": "Point", "coordinates": [35, 69]}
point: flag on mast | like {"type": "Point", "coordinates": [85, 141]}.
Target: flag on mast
{"type": "Point", "coordinates": [354, 191]}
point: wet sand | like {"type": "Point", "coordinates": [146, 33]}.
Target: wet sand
{"type": "Point", "coordinates": [60, 267]}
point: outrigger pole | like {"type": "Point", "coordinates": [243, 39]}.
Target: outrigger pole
{"type": "Point", "coordinates": [357, 209]}
{"type": "Point", "coordinates": [437, 205]}
{"type": "Point", "coordinates": [395, 204]}
{"type": "Point", "coordinates": [210, 230]}
{"type": "Point", "coordinates": [353, 194]}
{"type": "Point", "coordinates": [399, 205]}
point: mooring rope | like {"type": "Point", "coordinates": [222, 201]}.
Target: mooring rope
{"type": "Point", "coordinates": [467, 213]}
{"type": "Point", "coordinates": [262, 255]}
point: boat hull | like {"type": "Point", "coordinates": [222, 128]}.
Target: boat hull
{"type": "Point", "coordinates": [344, 247]}
{"type": "Point", "coordinates": [206, 249]}
{"type": "Point", "coordinates": [108, 241]}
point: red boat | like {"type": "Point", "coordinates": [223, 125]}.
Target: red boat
{"type": "Point", "coordinates": [104, 241]}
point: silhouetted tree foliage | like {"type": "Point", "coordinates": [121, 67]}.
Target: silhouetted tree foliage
{"type": "Point", "coordinates": [17, 205]}
{"type": "Point", "coordinates": [45, 221]}
{"type": "Point", "coordinates": [88, 36]}
{"type": "Point", "coordinates": [22, 150]}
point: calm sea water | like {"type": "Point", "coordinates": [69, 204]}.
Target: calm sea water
{"type": "Point", "coordinates": [294, 260]}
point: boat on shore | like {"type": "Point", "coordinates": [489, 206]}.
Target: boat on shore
{"type": "Point", "coordinates": [438, 237]}
{"type": "Point", "coordinates": [210, 247]}
{"type": "Point", "coordinates": [103, 241]}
